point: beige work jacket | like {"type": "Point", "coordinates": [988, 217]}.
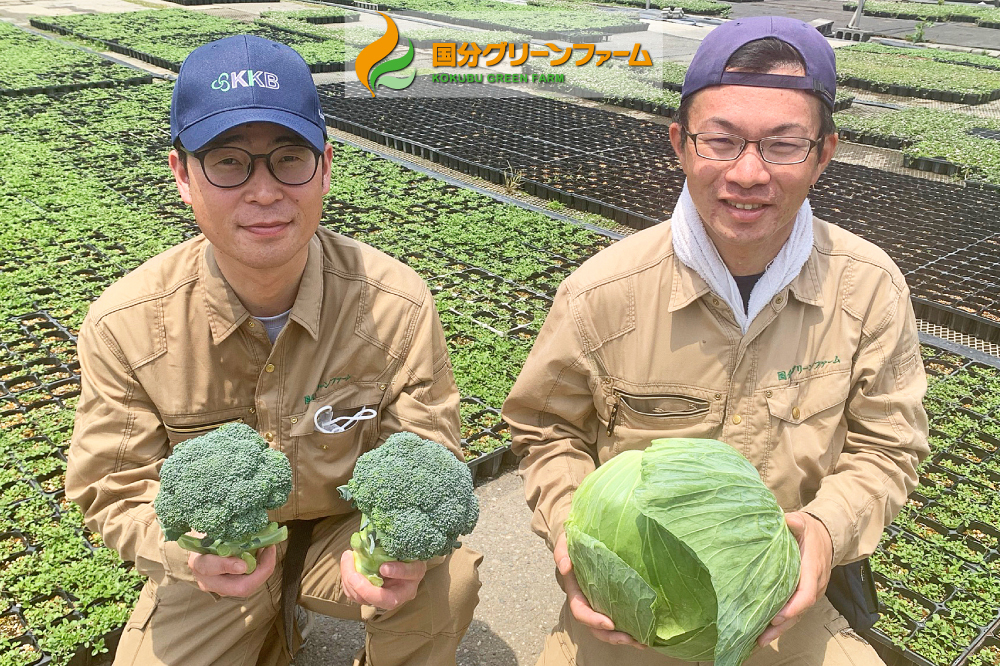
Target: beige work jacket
{"type": "Point", "coordinates": [169, 352]}
{"type": "Point", "coordinates": [823, 394]}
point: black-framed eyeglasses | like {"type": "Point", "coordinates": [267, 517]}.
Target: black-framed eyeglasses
{"type": "Point", "coordinates": [725, 147]}
{"type": "Point", "coordinates": [229, 166]}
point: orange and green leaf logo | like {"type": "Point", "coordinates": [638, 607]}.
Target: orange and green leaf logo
{"type": "Point", "coordinates": [372, 76]}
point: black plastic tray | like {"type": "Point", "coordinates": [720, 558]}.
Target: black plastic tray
{"type": "Point", "coordinates": [68, 87]}
{"type": "Point", "coordinates": [922, 93]}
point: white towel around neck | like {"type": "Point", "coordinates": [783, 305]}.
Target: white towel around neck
{"type": "Point", "coordinates": [697, 251]}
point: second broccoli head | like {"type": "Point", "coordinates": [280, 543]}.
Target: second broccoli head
{"type": "Point", "coordinates": [222, 484]}
{"type": "Point", "coordinates": [416, 499]}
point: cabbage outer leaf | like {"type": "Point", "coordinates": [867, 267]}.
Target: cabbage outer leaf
{"type": "Point", "coordinates": [710, 497]}
{"type": "Point", "coordinates": [612, 587]}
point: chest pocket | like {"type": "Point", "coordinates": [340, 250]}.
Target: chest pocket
{"type": "Point", "coordinates": [807, 426]}
{"type": "Point", "coordinates": [636, 418]}
{"type": "Point", "coordinates": [324, 461]}
{"type": "Point", "coordinates": [340, 407]}
{"type": "Point", "coordinates": [799, 402]}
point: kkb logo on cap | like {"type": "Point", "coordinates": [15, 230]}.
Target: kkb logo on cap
{"type": "Point", "coordinates": [246, 78]}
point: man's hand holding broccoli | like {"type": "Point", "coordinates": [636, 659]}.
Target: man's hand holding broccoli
{"type": "Point", "coordinates": [221, 484]}
{"type": "Point", "coordinates": [400, 582]}
{"type": "Point", "coordinates": [227, 576]}
{"type": "Point", "coordinates": [416, 499]}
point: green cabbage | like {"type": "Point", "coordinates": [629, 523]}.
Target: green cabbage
{"type": "Point", "coordinates": [684, 548]}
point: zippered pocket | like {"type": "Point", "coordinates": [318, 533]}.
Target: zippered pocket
{"type": "Point", "coordinates": [201, 427]}
{"type": "Point", "coordinates": [180, 432]}
{"type": "Point", "coordinates": [662, 409]}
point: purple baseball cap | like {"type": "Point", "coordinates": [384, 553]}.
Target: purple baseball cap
{"type": "Point", "coordinates": [244, 79]}
{"type": "Point", "coordinates": [708, 67]}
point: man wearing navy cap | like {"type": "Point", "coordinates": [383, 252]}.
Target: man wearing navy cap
{"type": "Point", "coordinates": [322, 344]}
{"type": "Point", "coordinates": [744, 319]}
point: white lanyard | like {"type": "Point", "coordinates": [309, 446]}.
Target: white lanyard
{"type": "Point", "coordinates": [325, 422]}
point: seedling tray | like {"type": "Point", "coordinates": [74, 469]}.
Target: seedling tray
{"type": "Point", "coordinates": [263, 29]}
{"type": "Point", "coordinates": [957, 16]}
{"type": "Point", "coordinates": [302, 33]}
{"type": "Point", "coordinates": [485, 466]}
{"type": "Point", "coordinates": [947, 168]}
{"type": "Point", "coordinates": [922, 93]}
{"type": "Point", "coordinates": [938, 558]}
{"type": "Point", "coordinates": [988, 653]}
{"type": "Point", "coordinates": [215, 2]}
{"type": "Point", "coordinates": [878, 140]}
{"type": "Point", "coordinates": [39, 65]}
{"type": "Point", "coordinates": [577, 36]}
{"type": "Point", "coordinates": [67, 87]}
{"type": "Point", "coordinates": [710, 11]}
{"type": "Point", "coordinates": [346, 18]}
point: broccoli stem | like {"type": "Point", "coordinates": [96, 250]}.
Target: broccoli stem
{"type": "Point", "coordinates": [246, 550]}
{"type": "Point", "coordinates": [368, 554]}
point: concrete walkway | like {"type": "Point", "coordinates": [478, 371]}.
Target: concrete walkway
{"type": "Point", "coordinates": [519, 600]}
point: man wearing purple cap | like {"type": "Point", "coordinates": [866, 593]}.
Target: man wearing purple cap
{"type": "Point", "coordinates": [322, 344]}
{"type": "Point", "coordinates": [743, 319]}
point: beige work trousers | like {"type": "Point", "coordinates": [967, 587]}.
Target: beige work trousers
{"type": "Point", "coordinates": [821, 638]}
{"type": "Point", "coordinates": [176, 624]}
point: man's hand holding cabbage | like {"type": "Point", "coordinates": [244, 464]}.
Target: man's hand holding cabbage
{"type": "Point", "coordinates": [682, 548]}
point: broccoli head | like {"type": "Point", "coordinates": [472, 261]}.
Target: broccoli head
{"type": "Point", "coordinates": [415, 499]}
{"type": "Point", "coordinates": [222, 484]}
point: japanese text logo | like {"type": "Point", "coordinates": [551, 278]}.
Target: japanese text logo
{"type": "Point", "coordinates": [468, 54]}
{"type": "Point", "coordinates": [372, 76]}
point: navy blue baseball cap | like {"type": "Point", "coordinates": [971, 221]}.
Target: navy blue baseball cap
{"type": "Point", "coordinates": [708, 67]}
{"type": "Point", "coordinates": [239, 80]}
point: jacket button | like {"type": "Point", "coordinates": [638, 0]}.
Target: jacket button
{"type": "Point", "coordinates": [779, 300]}
{"type": "Point", "coordinates": [269, 367]}
{"type": "Point", "coordinates": [251, 324]}
{"type": "Point", "coordinates": [715, 301]}
{"type": "Point", "coordinates": [718, 396]}
{"type": "Point", "coordinates": [795, 412]}
{"type": "Point", "coordinates": [767, 394]}
{"type": "Point", "coordinates": [381, 387]}
{"type": "Point", "coordinates": [294, 419]}
{"type": "Point", "coordinates": [253, 410]}
{"type": "Point", "coordinates": [736, 419]}
{"type": "Point", "coordinates": [268, 436]}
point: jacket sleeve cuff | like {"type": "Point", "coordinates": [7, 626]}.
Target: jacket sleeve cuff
{"type": "Point", "coordinates": [557, 518]}
{"type": "Point", "coordinates": [837, 522]}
